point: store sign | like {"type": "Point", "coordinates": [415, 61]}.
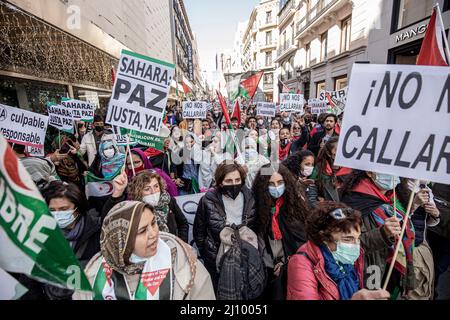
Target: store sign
{"type": "Point", "coordinates": [411, 33]}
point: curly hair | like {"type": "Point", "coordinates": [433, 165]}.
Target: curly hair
{"type": "Point", "coordinates": [140, 180]}
{"type": "Point", "coordinates": [293, 161]}
{"type": "Point", "coordinates": [294, 197]}
{"type": "Point", "coordinates": [320, 224]}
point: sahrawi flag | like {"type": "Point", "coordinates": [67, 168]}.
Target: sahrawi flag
{"type": "Point", "coordinates": [97, 187]}
{"type": "Point", "coordinates": [31, 242]}
{"type": "Point", "coordinates": [435, 50]}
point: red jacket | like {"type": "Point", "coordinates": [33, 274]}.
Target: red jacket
{"type": "Point", "coordinates": [307, 278]}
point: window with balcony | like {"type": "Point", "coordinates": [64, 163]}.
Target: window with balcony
{"type": "Point", "coordinates": [323, 46]}
{"type": "Point", "coordinates": [307, 55]}
{"type": "Point", "coordinates": [268, 38]}
{"type": "Point", "coordinates": [292, 33]}
{"type": "Point", "coordinates": [346, 34]}
{"type": "Point", "coordinates": [268, 59]}
{"type": "Point", "coordinates": [268, 17]}
{"type": "Point", "coordinates": [268, 79]}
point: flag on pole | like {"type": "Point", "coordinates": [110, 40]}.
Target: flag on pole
{"type": "Point", "coordinates": [249, 84]}
{"type": "Point", "coordinates": [434, 50]}
{"type": "Point", "coordinates": [224, 109]}
{"type": "Point", "coordinates": [31, 242]}
{"type": "Point", "coordinates": [237, 112]}
{"type": "Point", "coordinates": [98, 187]}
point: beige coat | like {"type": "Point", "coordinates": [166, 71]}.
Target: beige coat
{"type": "Point", "coordinates": [191, 277]}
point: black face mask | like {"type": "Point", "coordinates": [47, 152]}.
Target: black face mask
{"type": "Point", "coordinates": [232, 191]}
{"type": "Point", "coordinates": [99, 128]}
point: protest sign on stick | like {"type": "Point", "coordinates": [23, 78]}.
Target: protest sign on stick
{"type": "Point", "coordinates": [23, 127]}
{"type": "Point", "coordinates": [291, 102]}
{"type": "Point", "coordinates": [80, 110]}
{"type": "Point", "coordinates": [194, 109]}
{"type": "Point", "coordinates": [380, 132]}
{"type": "Point", "coordinates": [60, 117]}
{"type": "Point", "coordinates": [266, 109]}
{"type": "Point", "coordinates": [140, 93]}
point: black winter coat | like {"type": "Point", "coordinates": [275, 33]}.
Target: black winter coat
{"type": "Point", "coordinates": [210, 220]}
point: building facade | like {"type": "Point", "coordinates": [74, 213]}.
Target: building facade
{"type": "Point", "coordinates": [259, 44]}
{"type": "Point", "coordinates": [401, 30]}
{"type": "Point", "coordinates": [69, 48]}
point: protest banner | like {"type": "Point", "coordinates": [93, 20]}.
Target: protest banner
{"type": "Point", "coordinates": [36, 152]}
{"type": "Point", "coordinates": [140, 93]}
{"type": "Point", "coordinates": [291, 102]}
{"type": "Point", "coordinates": [336, 100]}
{"type": "Point", "coordinates": [11, 288]}
{"type": "Point", "coordinates": [80, 110]}
{"type": "Point", "coordinates": [23, 127]}
{"type": "Point", "coordinates": [266, 109]}
{"type": "Point", "coordinates": [60, 117]}
{"type": "Point", "coordinates": [137, 137]}
{"type": "Point", "coordinates": [194, 109]}
{"type": "Point", "coordinates": [380, 130]}
{"type": "Point", "coordinates": [31, 242]}
{"type": "Point", "coordinates": [188, 205]}
{"type": "Point", "coordinates": [317, 106]}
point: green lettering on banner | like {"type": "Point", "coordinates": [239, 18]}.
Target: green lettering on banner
{"type": "Point", "coordinates": [29, 225]}
{"type": "Point", "coordinates": [144, 139]}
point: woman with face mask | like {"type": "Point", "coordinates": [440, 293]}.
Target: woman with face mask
{"type": "Point", "coordinates": [330, 265]}
{"type": "Point", "coordinates": [108, 162]}
{"type": "Point", "coordinates": [133, 245]}
{"type": "Point", "coordinates": [81, 229]}
{"type": "Point", "coordinates": [281, 208]}
{"type": "Point", "coordinates": [327, 176]}
{"type": "Point", "coordinates": [230, 202]}
{"type": "Point", "coordinates": [303, 172]}
{"type": "Point", "coordinates": [251, 160]}
{"type": "Point", "coordinates": [371, 194]}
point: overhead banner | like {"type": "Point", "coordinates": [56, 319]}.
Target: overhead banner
{"type": "Point", "coordinates": [194, 109]}
{"type": "Point", "coordinates": [188, 205]}
{"type": "Point", "coordinates": [80, 110]}
{"type": "Point", "coordinates": [397, 121]}
{"type": "Point", "coordinates": [31, 242]}
{"type": "Point", "coordinates": [291, 102]}
{"type": "Point", "coordinates": [23, 127]}
{"type": "Point", "coordinates": [266, 109]}
{"type": "Point", "coordinates": [140, 93]}
{"type": "Point", "coordinates": [60, 117]}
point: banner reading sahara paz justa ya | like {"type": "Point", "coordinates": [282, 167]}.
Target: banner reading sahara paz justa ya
{"type": "Point", "coordinates": [140, 93]}
{"type": "Point", "coordinates": [397, 121]}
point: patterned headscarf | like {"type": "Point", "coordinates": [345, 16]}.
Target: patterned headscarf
{"type": "Point", "coordinates": [118, 236]}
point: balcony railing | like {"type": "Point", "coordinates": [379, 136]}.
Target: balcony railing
{"type": "Point", "coordinates": [268, 85]}
{"type": "Point", "coordinates": [267, 44]}
{"type": "Point", "coordinates": [267, 22]}
{"type": "Point", "coordinates": [313, 14]}
{"type": "Point", "coordinates": [285, 48]}
{"type": "Point", "coordinates": [288, 9]}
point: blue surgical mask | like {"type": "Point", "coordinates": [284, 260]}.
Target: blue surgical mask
{"type": "Point", "coordinates": [64, 218]}
{"type": "Point", "coordinates": [135, 259]}
{"type": "Point", "coordinates": [346, 253]}
{"type": "Point", "coordinates": [277, 192]}
{"type": "Point", "coordinates": [385, 181]}
{"type": "Point", "coordinates": [250, 154]}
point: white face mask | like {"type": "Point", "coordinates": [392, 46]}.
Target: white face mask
{"type": "Point", "coordinates": [307, 171]}
{"type": "Point", "coordinates": [64, 218]}
{"type": "Point", "coordinates": [152, 199]}
{"type": "Point", "coordinates": [135, 259]}
{"type": "Point", "coordinates": [109, 153]}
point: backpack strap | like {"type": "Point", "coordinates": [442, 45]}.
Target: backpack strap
{"type": "Point", "coordinates": [304, 254]}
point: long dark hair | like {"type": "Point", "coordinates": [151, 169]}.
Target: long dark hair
{"type": "Point", "coordinates": [293, 161]}
{"type": "Point", "coordinates": [352, 180]}
{"type": "Point", "coordinates": [294, 197]}
{"type": "Point", "coordinates": [323, 159]}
